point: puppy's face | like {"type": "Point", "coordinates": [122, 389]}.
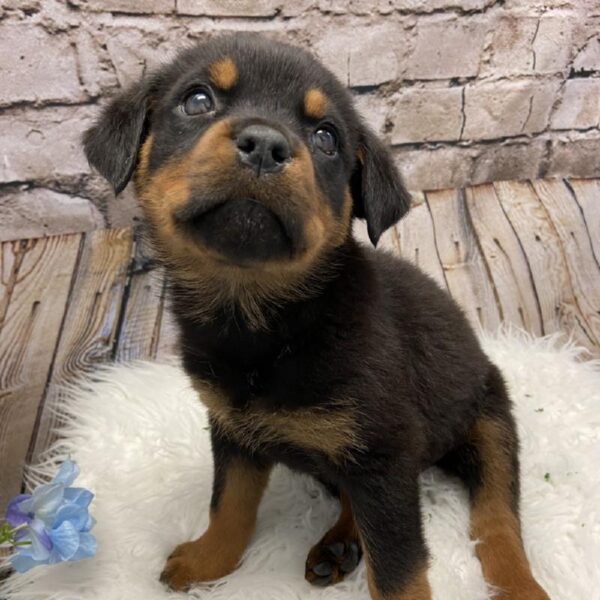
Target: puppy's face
{"type": "Point", "coordinates": [248, 157]}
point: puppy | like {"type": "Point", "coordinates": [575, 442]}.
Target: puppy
{"type": "Point", "coordinates": [308, 349]}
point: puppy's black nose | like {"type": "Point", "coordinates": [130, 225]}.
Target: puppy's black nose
{"type": "Point", "coordinates": [263, 149]}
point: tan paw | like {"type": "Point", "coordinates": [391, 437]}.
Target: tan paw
{"type": "Point", "coordinates": [196, 562]}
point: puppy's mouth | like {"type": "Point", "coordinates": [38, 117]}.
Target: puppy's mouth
{"type": "Point", "coordinates": [242, 231]}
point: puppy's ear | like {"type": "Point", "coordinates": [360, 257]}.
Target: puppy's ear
{"type": "Point", "coordinates": [377, 189]}
{"type": "Point", "coordinates": [112, 143]}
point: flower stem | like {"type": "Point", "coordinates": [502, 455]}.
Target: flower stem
{"type": "Point", "coordinates": [7, 535]}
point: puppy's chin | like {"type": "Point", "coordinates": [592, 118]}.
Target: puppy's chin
{"type": "Point", "coordinates": [241, 231]}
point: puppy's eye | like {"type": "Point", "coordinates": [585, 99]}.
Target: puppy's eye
{"type": "Point", "coordinates": [198, 102]}
{"type": "Point", "coordinates": [325, 139]}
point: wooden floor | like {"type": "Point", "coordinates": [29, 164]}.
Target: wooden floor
{"type": "Point", "coordinates": [526, 253]}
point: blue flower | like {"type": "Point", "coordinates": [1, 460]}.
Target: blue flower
{"type": "Point", "coordinates": [52, 525]}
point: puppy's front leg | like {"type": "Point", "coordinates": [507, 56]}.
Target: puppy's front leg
{"type": "Point", "coordinates": [387, 512]}
{"type": "Point", "coordinates": [239, 483]}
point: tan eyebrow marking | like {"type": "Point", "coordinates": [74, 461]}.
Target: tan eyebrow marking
{"type": "Point", "coordinates": [315, 103]}
{"type": "Point", "coordinates": [223, 73]}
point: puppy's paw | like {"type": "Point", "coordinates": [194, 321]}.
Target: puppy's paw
{"type": "Point", "coordinates": [196, 562]}
{"type": "Point", "coordinates": [330, 561]}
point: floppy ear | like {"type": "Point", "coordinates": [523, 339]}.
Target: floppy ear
{"type": "Point", "coordinates": [377, 189]}
{"type": "Point", "coordinates": [112, 143]}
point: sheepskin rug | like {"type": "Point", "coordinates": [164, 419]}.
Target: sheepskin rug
{"type": "Point", "coordinates": [140, 437]}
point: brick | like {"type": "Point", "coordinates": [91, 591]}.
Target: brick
{"type": "Point", "coordinates": [435, 168]}
{"type": "Point", "coordinates": [127, 6]}
{"type": "Point", "coordinates": [123, 210]}
{"type": "Point", "coordinates": [362, 55]}
{"type": "Point", "coordinates": [332, 50]}
{"type": "Point", "coordinates": [42, 68]}
{"type": "Point", "coordinates": [95, 70]}
{"type": "Point", "coordinates": [374, 109]}
{"type": "Point", "coordinates": [134, 52]}
{"type": "Point", "coordinates": [501, 109]}
{"type": "Point", "coordinates": [355, 7]}
{"type": "Point", "coordinates": [30, 6]}
{"type": "Point", "coordinates": [588, 58]}
{"type": "Point", "coordinates": [37, 212]}
{"type": "Point", "coordinates": [426, 6]}
{"type": "Point", "coordinates": [43, 145]}
{"type": "Point", "coordinates": [372, 59]}
{"type": "Point", "coordinates": [511, 46]}
{"type": "Point", "coordinates": [447, 48]}
{"type": "Point", "coordinates": [580, 105]}
{"type": "Point", "coordinates": [575, 157]}
{"type": "Point", "coordinates": [498, 162]}
{"type": "Point", "coordinates": [553, 43]}
{"type": "Point", "coordinates": [421, 115]}
{"type": "Point", "coordinates": [229, 8]}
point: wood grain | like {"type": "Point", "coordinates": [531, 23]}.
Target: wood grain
{"type": "Point", "coordinates": [90, 327]}
{"type": "Point", "coordinates": [138, 335]}
{"type": "Point", "coordinates": [582, 266]}
{"type": "Point", "coordinates": [587, 196]}
{"type": "Point", "coordinates": [416, 240]}
{"type": "Point", "coordinates": [462, 260]}
{"type": "Point", "coordinates": [28, 336]}
{"type": "Point", "coordinates": [169, 335]}
{"type": "Point", "coordinates": [505, 258]}
{"type": "Point", "coordinates": [542, 247]}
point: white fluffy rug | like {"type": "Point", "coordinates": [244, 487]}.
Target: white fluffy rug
{"type": "Point", "coordinates": [140, 437]}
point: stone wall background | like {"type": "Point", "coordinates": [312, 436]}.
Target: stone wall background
{"type": "Point", "coordinates": [465, 92]}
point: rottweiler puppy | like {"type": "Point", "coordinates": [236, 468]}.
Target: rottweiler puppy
{"type": "Point", "coordinates": [308, 349]}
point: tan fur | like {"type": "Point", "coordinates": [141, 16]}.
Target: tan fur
{"type": "Point", "coordinates": [223, 73]}
{"type": "Point", "coordinates": [493, 521]}
{"type": "Point", "coordinates": [417, 588]}
{"type": "Point", "coordinates": [315, 104]}
{"type": "Point", "coordinates": [294, 191]}
{"type": "Point", "coordinates": [218, 551]}
{"type": "Point", "coordinates": [331, 430]}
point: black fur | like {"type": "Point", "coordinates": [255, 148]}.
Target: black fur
{"type": "Point", "coordinates": [375, 330]}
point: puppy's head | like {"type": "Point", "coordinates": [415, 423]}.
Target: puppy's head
{"type": "Point", "coordinates": [247, 156]}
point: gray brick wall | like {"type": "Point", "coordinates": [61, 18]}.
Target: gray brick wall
{"type": "Point", "coordinates": [465, 92]}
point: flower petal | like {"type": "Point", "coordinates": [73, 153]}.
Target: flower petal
{"type": "Point", "coordinates": [41, 543]}
{"type": "Point", "coordinates": [67, 473]}
{"type": "Point", "coordinates": [78, 517]}
{"type": "Point", "coordinates": [15, 515]}
{"type": "Point", "coordinates": [45, 501]}
{"type": "Point", "coordinates": [87, 547]}
{"type": "Point", "coordinates": [66, 540]}
{"type": "Point", "coordinates": [79, 496]}
{"type": "Point", "coordinates": [21, 563]}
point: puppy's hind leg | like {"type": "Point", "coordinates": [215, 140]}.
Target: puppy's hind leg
{"type": "Point", "coordinates": [338, 552]}
{"type": "Point", "coordinates": [489, 465]}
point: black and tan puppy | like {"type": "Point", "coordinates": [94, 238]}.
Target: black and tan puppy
{"type": "Point", "coordinates": [250, 163]}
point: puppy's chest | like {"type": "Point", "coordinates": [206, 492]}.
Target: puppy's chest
{"type": "Point", "coordinates": [263, 423]}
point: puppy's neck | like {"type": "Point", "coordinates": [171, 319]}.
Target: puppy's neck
{"type": "Point", "coordinates": [260, 305]}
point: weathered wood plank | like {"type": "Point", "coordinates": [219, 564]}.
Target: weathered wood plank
{"type": "Point", "coordinates": [11, 255]}
{"type": "Point", "coordinates": [138, 337]}
{"type": "Point", "coordinates": [28, 337]}
{"type": "Point", "coordinates": [168, 345]}
{"type": "Point", "coordinates": [582, 265]}
{"type": "Point", "coordinates": [587, 194]}
{"type": "Point", "coordinates": [542, 246]}
{"type": "Point", "coordinates": [462, 261]}
{"type": "Point", "coordinates": [507, 263]}
{"type": "Point", "coordinates": [91, 321]}
{"type": "Point", "coordinates": [417, 241]}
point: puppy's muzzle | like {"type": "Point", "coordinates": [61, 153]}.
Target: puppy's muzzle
{"type": "Point", "coordinates": [243, 231]}
{"type": "Point", "coordinates": [262, 149]}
